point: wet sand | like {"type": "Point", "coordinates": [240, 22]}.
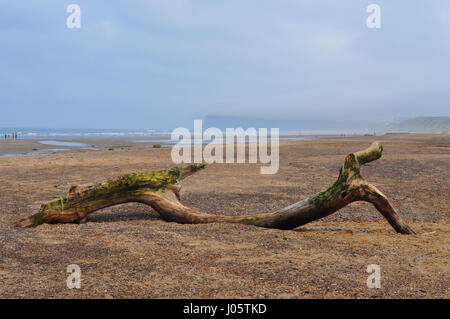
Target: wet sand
{"type": "Point", "coordinates": [127, 251]}
{"type": "Point", "coordinates": [25, 147]}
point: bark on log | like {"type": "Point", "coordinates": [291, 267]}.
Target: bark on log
{"type": "Point", "coordinates": [161, 191]}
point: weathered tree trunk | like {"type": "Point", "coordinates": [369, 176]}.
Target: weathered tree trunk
{"type": "Point", "coordinates": [157, 189]}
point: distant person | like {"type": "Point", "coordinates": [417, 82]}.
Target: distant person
{"type": "Point", "coordinates": [5, 137]}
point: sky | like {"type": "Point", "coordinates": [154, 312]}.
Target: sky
{"type": "Point", "coordinates": [164, 63]}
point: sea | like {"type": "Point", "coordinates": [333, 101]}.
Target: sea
{"type": "Point", "coordinates": [68, 139]}
{"type": "Point", "coordinates": [55, 133]}
{"type": "Point", "coordinates": [58, 133]}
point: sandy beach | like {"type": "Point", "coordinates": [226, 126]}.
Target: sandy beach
{"type": "Point", "coordinates": [127, 251]}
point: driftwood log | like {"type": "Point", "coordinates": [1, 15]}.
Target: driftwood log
{"type": "Point", "coordinates": [161, 191]}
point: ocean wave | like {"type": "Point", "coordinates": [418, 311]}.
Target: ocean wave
{"type": "Point", "coordinates": [34, 134]}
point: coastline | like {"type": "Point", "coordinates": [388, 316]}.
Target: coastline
{"type": "Point", "coordinates": [38, 146]}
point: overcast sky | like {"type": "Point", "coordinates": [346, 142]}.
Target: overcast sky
{"type": "Point", "coordinates": [161, 64]}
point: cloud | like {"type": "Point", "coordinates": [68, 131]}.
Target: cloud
{"type": "Point", "coordinates": [164, 63]}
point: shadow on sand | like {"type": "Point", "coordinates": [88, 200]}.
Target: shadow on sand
{"type": "Point", "coordinates": [124, 212]}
